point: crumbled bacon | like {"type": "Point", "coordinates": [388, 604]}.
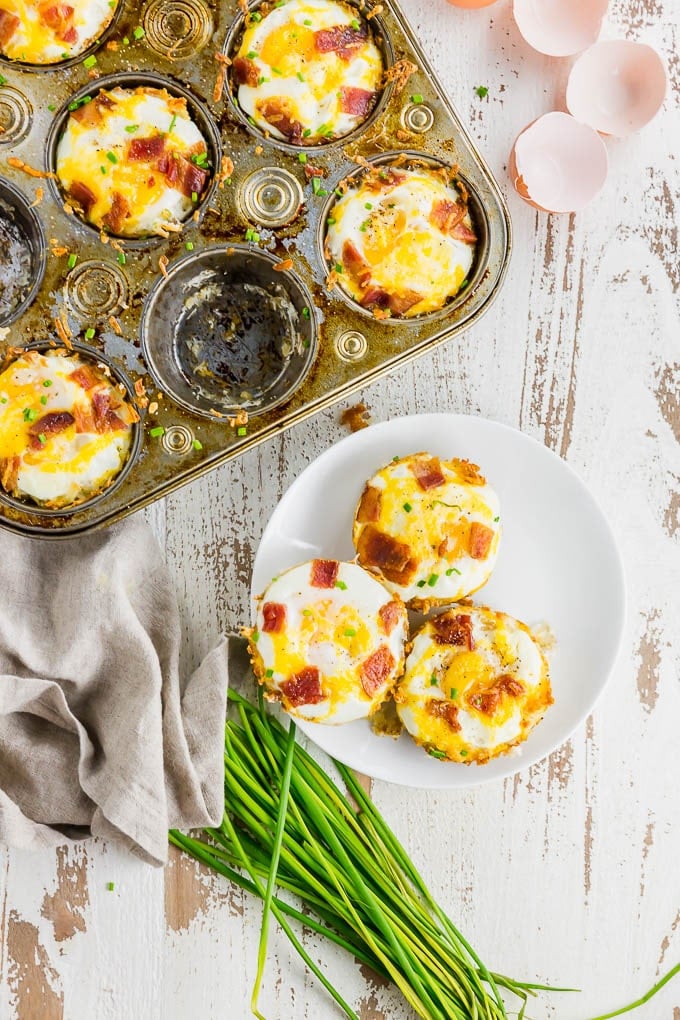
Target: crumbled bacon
{"type": "Point", "coordinates": [84, 377]}
{"type": "Point", "coordinates": [446, 710]}
{"type": "Point", "coordinates": [278, 111]}
{"type": "Point", "coordinates": [303, 687]}
{"type": "Point", "coordinates": [480, 540]}
{"type": "Point", "coordinates": [59, 18]}
{"type": "Point", "coordinates": [355, 264]}
{"type": "Point", "coordinates": [9, 466]}
{"type": "Point", "coordinates": [342, 39]}
{"type": "Point", "coordinates": [146, 148]}
{"type": "Point", "coordinates": [84, 420]}
{"type": "Point", "coordinates": [69, 35]}
{"type": "Point", "coordinates": [392, 557]}
{"type": "Point", "coordinates": [453, 629]}
{"type": "Point", "coordinates": [390, 614]}
{"type": "Point", "coordinates": [324, 573]}
{"type": "Point", "coordinates": [510, 685]}
{"type": "Point", "coordinates": [400, 303]}
{"type": "Point", "coordinates": [51, 424]}
{"type": "Point", "coordinates": [375, 297]}
{"type": "Point", "coordinates": [462, 232]}
{"type": "Point", "coordinates": [182, 174]}
{"type": "Point", "coordinates": [427, 472]}
{"type": "Point", "coordinates": [274, 617]}
{"type": "Point", "coordinates": [468, 472]}
{"type": "Point", "coordinates": [82, 195]}
{"type": "Point", "coordinates": [487, 702]}
{"type": "Point", "coordinates": [375, 670]}
{"type": "Point", "coordinates": [245, 72]}
{"type": "Point", "coordinates": [117, 214]}
{"type": "Point", "coordinates": [105, 418]}
{"type": "Point", "coordinates": [358, 102]}
{"type": "Point", "coordinates": [446, 214]}
{"type": "Point", "coordinates": [8, 26]}
{"type": "Point", "coordinates": [369, 505]}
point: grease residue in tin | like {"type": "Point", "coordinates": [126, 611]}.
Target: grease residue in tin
{"type": "Point", "coordinates": [16, 263]}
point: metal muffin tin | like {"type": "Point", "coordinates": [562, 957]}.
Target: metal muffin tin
{"type": "Point", "coordinates": [302, 346]}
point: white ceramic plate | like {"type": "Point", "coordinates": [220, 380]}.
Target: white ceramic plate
{"type": "Point", "coordinates": [558, 563]}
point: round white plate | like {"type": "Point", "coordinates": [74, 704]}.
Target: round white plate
{"type": "Point", "coordinates": [558, 563]}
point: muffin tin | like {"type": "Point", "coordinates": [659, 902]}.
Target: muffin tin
{"type": "Point", "coordinates": [251, 255]}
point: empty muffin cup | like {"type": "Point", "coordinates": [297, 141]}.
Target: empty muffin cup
{"type": "Point", "coordinates": [405, 238]}
{"type": "Point", "coordinates": [135, 156]}
{"type": "Point", "coordinates": [226, 330]}
{"type": "Point", "coordinates": [69, 431]}
{"type": "Point", "coordinates": [22, 253]}
{"type": "Point", "coordinates": [304, 75]}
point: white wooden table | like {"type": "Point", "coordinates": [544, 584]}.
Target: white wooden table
{"type": "Point", "coordinates": [569, 872]}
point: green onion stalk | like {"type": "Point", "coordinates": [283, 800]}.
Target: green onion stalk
{"type": "Point", "coordinates": [288, 826]}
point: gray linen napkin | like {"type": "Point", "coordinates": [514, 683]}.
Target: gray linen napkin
{"type": "Point", "coordinates": [99, 734]}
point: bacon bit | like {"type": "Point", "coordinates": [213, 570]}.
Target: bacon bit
{"type": "Point", "coordinates": [163, 265]}
{"type": "Point", "coordinates": [342, 39]}
{"type": "Point", "coordinates": [368, 510]}
{"type": "Point", "coordinates": [140, 388]}
{"type": "Point", "coordinates": [381, 313]}
{"type": "Point", "coordinates": [51, 424]}
{"type": "Point", "coordinates": [510, 685]}
{"type": "Point", "coordinates": [8, 26]}
{"type": "Point", "coordinates": [61, 333]}
{"type": "Point", "coordinates": [279, 112]}
{"type": "Point", "coordinates": [9, 467]}
{"type": "Point", "coordinates": [357, 418]}
{"type": "Point", "coordinates": [284, 266]}
{"type": "Point", "coordinates": [394, 558]}
{"type": "Point", "coordinates": [221, 77]}
{"type": "Point", "coordinates": [83, 195]}
{"type": "Point", "coordinates": [487, 702]}
{"type": "Point", "coordinates": [446, 214]}
{"type": "Point", "coordinates": [356, 265]}
{"type": "Point", "coordinates": [390, 614]}
{"type": "Point", "coordinates": [274, 617]}
{"type": "Point", "coordinates": [243, 4]}
{"type": "Point", "coordinates": [238, 420]}
{"type": "Point", "coordinates": [19, 164]}
{"type": "Point", "coordinates": [59, 250]}
{"type": "Point", "coordinates": [324, 573]}
{"type": "Point", "coordinates": [452, 628]}
{"type": "Point", "coordinates": [105, 417]}
{"type": "Point", "coordinates": [445, 710]}
{"type": "Point", "coordinates": [153, 407]}
{"type": "Point", "coordinates": [461, 232]}
{"type": "Point", "coordinates": [357, 101]}
{"type": "Point", "coordinates": [118, 213]}
{"type": "Point", "coordinates": [115, 325]}
{"type": "Point", "coordinates": [404, 136]}
{"type": "Point", "coordinates": [468, 472]}
{"type": "Point", "coordinates": [427, 472]}
{"type": "Point", "coordinates": [83, 419]}
{"type": "Point", "coordinates": [480, 540]}
{"type": "Point", "coordinates": [375, 670]}
{"type": "Point", "coordinates": [303, 688]}
{"type": "Point", "coordinates": [84, 377]}
{"type": "Point", "coordinates": [112, 44]}
{"type": "Point", "coordinates": [148, 149]}
{"type": "Point", "coordinates": [39, 195]}
{"type": "Point", "coordinates": [218, 414]}
{"type": "Point", "coordinates": [313, 171]}
{"type": "Point", "coordinates": [399, 73]}
{"type": "Point", "coordinates": [226, 171]}
{"type": "Point", "coordinates": [378, 9]}
{"type": "Point", "coordinates": [246, 72]}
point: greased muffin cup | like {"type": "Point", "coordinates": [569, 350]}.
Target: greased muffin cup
{"type": "Point", "coordinates": [221, 317]}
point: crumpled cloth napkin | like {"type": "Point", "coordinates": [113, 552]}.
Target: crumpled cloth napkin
{"type": "Point", "coordinates": [99, 734]}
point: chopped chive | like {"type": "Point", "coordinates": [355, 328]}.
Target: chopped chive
{"type": "Point", "coordinates": [89, 333]}
{"type": "Point", "coordinates": [368, 205]}
{"type": "Point", "coordinates": [43, 400]}
{"type": "Point", "coordinates": [454, 693]}
{"type": "Point", "coordinates": [355, 24]}
{"type": "Point", "coordinates": [47, 382]}
{"type": "Point", "coordinates": [42, 437]}
{"type": "Point", "coordinates": [276, 70]}
{"type": "Point", "coordinates": [306, 133]}
{"type": "Point", "coordinates": [350, 632]}
{"type": "Point", "coordinates": [255, 636]}
{"type": "Point", "coordinates": [51, 107]}
{"type": "Point", "coordinates": [30, 414]}
{"type": "Point", "coordinates": [307, 21]}
{"type": "Point", "coordinates": [316, 185]}
{"type": "Point", "coordinates": [90, 61]}
{"type": "Point", "coordinates": [496, 519]}
{"type": "Point", "coordinates": [338, 268]}
{"type": "Point", "coordinates": [194, 196]}
{"type": "Point", "coordinates": [417, 99]}
{"type": "Point", "coordinates": [330, 221]}
{"type": "Point", "coordinates": [103, 169]}
{"type": "Point", "coordinates": [341, 585]}
{"type": "Point", "coordinates": [261, 80]}
{"type": "Point", "coordinates": [482, 91]}
{"type": "Point", "coordinates": [3, 400]}
{"type": "Point", "coordinates": [3, 80]}
{"type": "Point", "coordinates": [126, 41]}
{"type": "Point", "coordinates": [241, 430]}
{"type": "Point", "coordinates": [421, 584]}
{"type": "Point", "coordinates": [189, 245]}
{"type": "Point", "coordinates": [435, 753]}
{"type": "Point", "coordinates": [306, 314]}
{"type": "Point", "coordinates": [110, 886]}
{"type": "Point", "coordinates": [158, 430]}
{"type": "Point", "coordinates": [302, 157]}
{"type": "Point", "coordinates": [408, 508]}
{"type": "Point", "coordinates": [112, 158]}
{"type": "Point", "coordinates": [269, 673]}
{"type": "Point", "coordinates": [396, 458]}
{"type": "Point", "coordinates": [301, 76]}
{"type": "Point", "coordinates": [432, 580]}
{"type": "Point", "coordinates": [363, 226]}
{"type": "Point", "coordinates": [256, 16]}
{"type": "Point", "coordinates": [452, 570]}
{"type": "Point", "coordinates": [131, 128]}
{"type": "Point", "coordinates": [172, 123]}
{"type": "Point", "coordinates": [463, 753]}
{"type": "Point", "coordinates": [433, 680]}
{"type": "Point", "coordinates": [72, 259]}
{"type": "Point", "coordinates": [251, 54]}
{"type": "Point", "coordinates": [197, 444]}
{"type": "Point", "coordinates": [306, 612]}
{"type": "Point", "coordinates": [138, 32]}
{"type": "Point", "coordinates": [121, 258]}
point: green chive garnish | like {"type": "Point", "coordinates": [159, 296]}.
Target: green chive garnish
{"type": "Point", "coordinates": [110, 886]}
{"type": "Point", "coordinates": [112, 158]}
{"type": "Point", "coordinates": [241, 430]}
{"type": "Point", "coordinates": [89, 333]}
{"type": "Point", "coordinates": [350, 632]}
{"type": "Point", "coordinates": [433, 680]}
{"type": "Point", "coordinates": [72, 259]}
{"type": "Point", "coordinates": [302, 157]}
{"type": "Point", "coordinates": [47, 382]}
{"type": "Point", "coordinates": [42, 437]}
{"type": "Point", "coordinates": [306, 314]}
{"type": "Point", "coordinates": [454, 693]}
{"type": "Point", "coordinates": [452, 570]}
{"type": "Point", "coordinates": [482, 91]}
{"type": "Point", "coordinates": [435, 753]}
{"type": "Point", "coordinates": [30, 414]}
{"type": "Point", "coordinates": [90, 61]}
{"type": "Point", "coordinates": [341, 585]}
{"type": "Point", "coordinates": [417, 99]}
{"type": "Point", "coordinates": [43, 400]}
{"type": "Point", "coordinates": [138, 32]}
{"type": "Point", "coordinates": [408, 508]}
{"type": "Point", "coordinates": [172, 123]}
{"type": "Point", "coordinates": [131, 128]}
{"type": "Point", "coordinates": [189, 245]}
{"type": "Point", "coordinates": [121, 258]}
{"type": "Point", "coordinates": [197, 444]}
{"type": "Point", "coordinates": [158, 430]}
{"type": "Point", "coordinates": [421, 584]}
{"type": "Point", "coordinates": [432, 580]}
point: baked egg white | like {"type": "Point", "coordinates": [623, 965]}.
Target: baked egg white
{"type": "Point", "coordinates": [429, 528]}
{"type": "Point", "coordinates": [308, 71]}
{"type": "Point", "coordinates": [65, 429]}
{"type": "Point", "coordinates": [400, 241]}
{"type": "Point", "coordinates": [476, 683]}
{"type": "Point", "coordinates": [47, 32]}
{"type": "Point", "coordinates": [328, 641]}
{"type": "Point", "coordinates": [133, 161]}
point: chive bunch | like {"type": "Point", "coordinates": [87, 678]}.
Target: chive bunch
{"type": "Point", "coordinates": [288, 825]}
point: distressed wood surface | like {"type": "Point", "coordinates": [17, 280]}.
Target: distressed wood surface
{"type": "Point", "coordinates": [568, 872]}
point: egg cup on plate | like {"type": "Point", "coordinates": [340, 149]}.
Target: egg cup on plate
{"type": "Point", "coordinates": [66, 430]}
{"type": "Point", "coordinates": [400, 240]}
{"type": "Point", "coordinates": [328, 641]}
{"type": "Point", "coordinates": [133, 161]}
{"type": "Point", "coordinates": [308, 72]}
{"type": "Point", "coordinates": [476, 683]}
{"type": "Point", "coordinates": [428, 528]}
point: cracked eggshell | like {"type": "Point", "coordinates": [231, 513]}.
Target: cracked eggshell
{"type": "Point", "coordinates": [559, 28]}
{"type": "Point", "coordinates": [617, 86]}
{"type": "Point", "coordinates": [558, 164]}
